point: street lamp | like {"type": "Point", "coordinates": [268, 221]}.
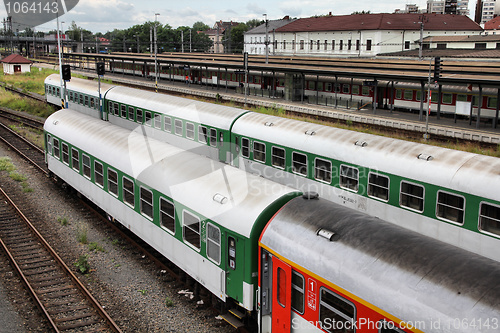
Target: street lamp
{"type": "Point", "coordinates": [156, 51]}
{"type": "Point", "coordinates": [137, 43]}
{"type": "Point", "coordinates": [266, 42]}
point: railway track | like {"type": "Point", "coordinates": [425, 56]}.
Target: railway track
{"type": "Point", "coordinates": [64, 301]}
{"type": "Point", "coordinates": [20, 117]}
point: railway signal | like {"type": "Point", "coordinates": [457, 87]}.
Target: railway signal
{"type": "Point", "coordinates": [437, 68]}
{"type": "Point", "coordinates": [66, 72]}
{"type": "Point", "coordinates": [100, 68]}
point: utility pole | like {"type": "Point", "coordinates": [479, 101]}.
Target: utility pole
{"type": "Point", "coordinates": [423, 20]}
{"type": "Point", "coordinates": [182, 41]}
{"type": "Point", "coordinates": [190, 50]}
{"type": "Point", "coordinates": [151, 41]}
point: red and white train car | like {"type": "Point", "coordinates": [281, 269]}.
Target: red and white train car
{"type": "Point", "coordinates": [327, 268]}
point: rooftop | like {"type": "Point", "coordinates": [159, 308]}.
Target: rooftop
{"type": "Point", "coordinates": [16, 59]}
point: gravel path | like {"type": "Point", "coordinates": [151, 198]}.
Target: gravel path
{"type": "Point", "coordinates": [131, 288]}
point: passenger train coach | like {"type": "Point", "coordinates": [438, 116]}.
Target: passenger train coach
{"type": "Point", "coordinates": [445, 194]}
{"type": "Point", "coordinates": [402, 95]}
{"type": "Point", "coordinates": [291, 261]}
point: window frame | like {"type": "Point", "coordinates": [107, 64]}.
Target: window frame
{"type": "Point", "coordinates": [142, 201]}
{"type": "Point", "coordinates": [451, 207]}
{"type": "Point", "coordinates": [162, 213]}
{"type": "Point", "coordinates": [190, 133]}
{"type": "Point", "coordinates": [275, 157]}
{"type": "Point", "coordinates": [202, 130]}
{"type": "Point", "coordinates": [480, 221]}
{"type": "Point", "coordinates": [245, 147]}
{"type": "Point", "coordinates": [369, 184]}
{"type": "Point", "coordinates": [296, 170]}
{"type": "Point", "coordinates": [86, 168]}
{"type": "Point", "coordinates": [259, 151]}
{"type": "Point", "coordinates": [178, 130]}
{"type": "Point", "coordinates": [212, 137]}
{"type": "Point", "coordinates": [184, 226]}
{"type": "Point", "coordinates": [109, 181]}
{"type": "Point", "coordinates": [65, 155]}
{"type": "Point", "coordinates": [318, 169]}
{"type": "Point", "coordinates": [219, 245]}
{"type": "Point", "coordinates": [342, 185]}
{"type": "Point", "coordinates": [157, 121]}
{"type": "Point", "coordinates": [75, 160]}
{"type": "Point", "coordinates": [167, 124]}
{"type": "Point", "coordinates": [332, 308]}
{"type": "Point", "coordinates": [296, 289]}
{"type": "Point", "coordinates": [127, 193]}
{"type": "Point", "coordinates": [98, 175]}
{"type": "Point", "coordinates": [54, 149]}
{"type": "Point", "coordinates": [401, 194]}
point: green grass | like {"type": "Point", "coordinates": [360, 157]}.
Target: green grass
{"type": "Point", "coordinates": [81, 234]}
{"type": "Point", "coordinates": [6, 164]}
{"type": "Point", "coordinates": [94, 246]}
{"type": "Point", "coordinates": [83, 264]}
{"type": "Point", "coordinates": [32, 81]}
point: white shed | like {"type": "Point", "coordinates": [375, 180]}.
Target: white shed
{"type": "Point", "coordinates": [16, 63]}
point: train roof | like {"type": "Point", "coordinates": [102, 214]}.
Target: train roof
{"type": "Point", "coordinates": [199, 112]}
{"type": "Point", "coordinates": [448, 168]}
{"type": "Point", "coordinates": [410, 276]}
{"type": "Point", "coordinates": [88, 87]}
{"type": "Point", "coordinates": [217, 191]}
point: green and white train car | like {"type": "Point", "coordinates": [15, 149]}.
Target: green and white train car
{"type": "Point", "coordinates": [449, 195]}
{"type": "Point", "coordinates": [203, 215]}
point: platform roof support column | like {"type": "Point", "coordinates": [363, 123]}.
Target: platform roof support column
{"type": "Point", "coordinates": [317, 90]}
{"type": "Point", "coordinates": [440, 93]}
{"type": "Point", "coordinates": [495, 121]}
{"type": "Point", "coordinates": [375, 88]}
{"type": "Point", "coordinates": [391, 98]}
{"type": "Point", "coordinates": [227, 79]}
{"type": "Point", "coordinates": [422, 94]}
{"type": "Point", "coordinates": [479, 102]}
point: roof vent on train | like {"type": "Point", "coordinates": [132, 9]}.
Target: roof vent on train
{"type": "Point", "coordinates": [425, 157]}
{"type": "Point", "coordinates": [327, 234]}
{"type": "Point", "coordinates": [310, 132]}
{"type": "Point", "coordinates": [220, 198]}
{"type": "Point", "coordinates": [55, 122]}
{"type": "Point", "coordinates": [361, 143]}
{"type": "Point", "coordinates": [310, 195]}
{"type": "Point", "coordinates": [269, 123]}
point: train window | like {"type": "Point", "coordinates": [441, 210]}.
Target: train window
{"type": "Point", "coordinates": [282, 287]}
{"type": "Point", "coordinates": [213, 137]}
{"type": "Point", "coordinates": [434, 97]}
{"type": "Point", "coordinates": [202, 134]}
{"type": "Point", "coordinates": [297, 292]}
{"type": "Point", "coordinates": [412, 196]}
{"type": "Point", "coordinates": [123, 108]}
{"type": "Point", "coordinates": [365, 91]}
{"type": "Point", "coordinates": [299, 163]}
{"type": "Point", "coordinates": [462, 98]}
{"type": "Point", "coordinates": [399, 93]}
{"type": "Point", "coordinates": [58, 92]}
{"type": "Point", "coordinates": [492, 102]}
{"type": "Point", "coordinates": [116, 111]}
{"type": "Point", "coordinates": [447, 98]}
{"type": "Point", "coordinates": [329, 86]}
{"type": "Point", "coordinates": [65, 153]}
{"type": "Point", "coordinates": [245, 147]}
{"type": "Point", "coordinates": [355, 89]}
{"type": "Point", "coordinates": [110, 106]}
{"type": "Point", "coordinates": [86, 166]}
{"type": "Point", "coordinates": [278, 157]}
{"type": "Point", "coordinates": [147, 118]}
{"type": "Point", "coordinates": [113, 182]}
{"type": "Point", "coordinates": [71, 96]}
{"type": "Point", "coordinates": [320, 86]}
{"type": "Point", "coordinates": [131, 113]}
{"type": "Point", "coordinates": [489, 218]}
{"type": "Point", "coordinates": [75, 159]}
{"type": "Point", "coordinates": [56, 151]}
{"type": "Point", "coordinates": [92, 103]}
{"type": "Point", "coordinates": [335, 309]}
{"type": "Point", "coordinates": [146, 197]}
{"type": "Point", "coordinates": [349, 178]}
{"type": "Point", "coordinates": [190, 131]}
{"type": "Point", "coordinates": [98, 174]}
{"type": "Point", "coordinates": [167, 215]}
{"type": "Point", "coordinates": [128, 192]}
{"type": "Point", "coordinates": [191, 229]}
{"type": "Point", "coordinates": [311, 85]}
{"type": "Point", "coordinates": [168, 124]}
{"type": "Point", "coordinates": [81, 98]}
{"type": "Point", "coordinates": [418, 95]}
{"type": "Point", "coordinates": [157, 121]}
{"type": "Point", "coordinates": [450, 207]}
{"type": "Point", "coordinates": [213, 243]}
{"type": "Point", "coordinates": [323, 170]}
{"type": "Point", "coordinates": [86, 101]}
{"type": "Point", "coordinates": [408, 94]}
{"type": "Point", "coordinates": [337, 87]}
{"type": "Point", "coordinates": [345, 88]}
{"type": "Point", "coordinates": [259, 151]}
{"type": "Point", "coordinates": [378, 186]}
{"type": "Point", "coordinates": [139, 116]}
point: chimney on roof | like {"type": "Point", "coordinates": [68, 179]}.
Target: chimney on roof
{"type": "Point", "coordinates": [286, 17]}
{"type": "Point", "coordinates": [330, 14]}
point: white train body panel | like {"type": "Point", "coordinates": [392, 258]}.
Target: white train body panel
{"type": "Point", "coordinates": [191, 180]}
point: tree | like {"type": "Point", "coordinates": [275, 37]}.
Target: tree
{"type": "Point", "coordinates": [254, 23]}
{"type": "Point", "coordinates": [361, 12]}
{"type": "Point", "coordinates": [200, 26]}
{"type": "Point", "coordinates": [237, 38]}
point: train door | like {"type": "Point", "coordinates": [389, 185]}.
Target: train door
{"type": "Point", "coordinates": [281, 297]}
{"type": "Point", "coordinates": [235, 266]}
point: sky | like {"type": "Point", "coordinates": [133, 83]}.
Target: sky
{"type": "Point", "coordinates": [107, 15]}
